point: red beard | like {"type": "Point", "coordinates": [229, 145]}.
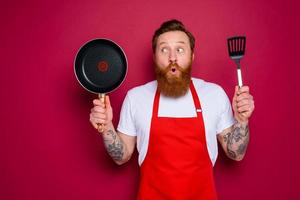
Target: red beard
{"type": "Point", "coordinates": [173, 86]}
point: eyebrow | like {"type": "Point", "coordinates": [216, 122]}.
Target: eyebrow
{"type": "Point", "coordinates": [181, 42]}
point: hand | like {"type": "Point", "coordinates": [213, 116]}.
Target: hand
{"type": "Point", "coordinates": [242, 104]}
{"type": "Point", "coordinates": [101, 114]}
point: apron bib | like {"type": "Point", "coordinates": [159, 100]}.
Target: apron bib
{"type": "Point", "coordinates": [177, 165]}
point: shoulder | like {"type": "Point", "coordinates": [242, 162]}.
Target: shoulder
{"type": "Point", "coordinates": [142, 90]}
{"type": "Point", "coordinates": [207, 88]}
{"type": "Point", "coordinates": [138, 99]}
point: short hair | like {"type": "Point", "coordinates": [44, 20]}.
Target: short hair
{"type": "Point", "coordinates": [172, 25]}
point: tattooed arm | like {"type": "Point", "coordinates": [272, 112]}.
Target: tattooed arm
{"type": "Point", "coordinates": [235, 139]}
{"type": "Point", "coordinates": [118, 145]}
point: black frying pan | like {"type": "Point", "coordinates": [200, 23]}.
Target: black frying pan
{"type": "Point", "coordinates": [100, 66]}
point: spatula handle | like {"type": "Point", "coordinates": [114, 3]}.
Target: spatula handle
{"type": "Point", "coordinates": [102, 99]}
{"type": "Point", "coordinates": [239, 75]}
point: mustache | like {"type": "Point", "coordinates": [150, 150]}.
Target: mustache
{"type": "Point", "coordinates": [173, 64]}
{"type": "Point", "coordinates": [163, 71]}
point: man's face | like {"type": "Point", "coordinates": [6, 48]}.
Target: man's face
{"type": "Point", "coordinates": [173, 59]}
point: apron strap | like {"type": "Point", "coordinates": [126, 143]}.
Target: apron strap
{"type": "Point", "coordinates": [155, 104]}
{"type": "Point", "coordinates": [196, 99]}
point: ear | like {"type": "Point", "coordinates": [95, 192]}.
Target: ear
{"type": "Point", "coordinates": [193, 56]}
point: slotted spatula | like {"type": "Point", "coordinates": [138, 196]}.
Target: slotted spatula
{"type": "Point", "coordinates": [236, 50]}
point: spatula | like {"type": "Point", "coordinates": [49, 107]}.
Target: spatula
{"type": "Point", "coordinates": [236, 50]}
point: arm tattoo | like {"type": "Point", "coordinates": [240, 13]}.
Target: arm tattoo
{"type": "Point", "coordinates": [113, 145]}
{"type": "Point", "coordinates": [237, 140]}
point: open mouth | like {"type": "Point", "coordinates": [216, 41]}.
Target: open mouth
{"type": "Point", "coordinates": [173, 69]}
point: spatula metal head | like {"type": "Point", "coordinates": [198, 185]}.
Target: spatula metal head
{"type": "Point", "coordinates": [236, 47]}
{"type": "Point", "coordinates": [236, 50]}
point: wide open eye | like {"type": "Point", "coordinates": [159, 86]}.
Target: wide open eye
{"type": "Point", "coordinates": [180, 50]}
{"type": "Point", "coordinates": [164, 50]}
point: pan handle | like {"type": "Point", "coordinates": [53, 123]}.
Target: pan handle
{"type": "Point", "coordinates": [101, 96]}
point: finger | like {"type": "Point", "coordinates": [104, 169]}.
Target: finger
{"type": "Point", "coordinates": [245, 108]}
{"type": "Point", "coordinates": [243, 100]}
{"type": "Point", "coordinates": [244, 96]}
{"type": "Point", "coordinates": [245, 115]}
{"type": "Point", "coordinates": [98, 109]}
{"type": "Point", "coordinates": [95, 125]}
{"type": "Point", "coordinates": [98, 116]}
{"type": "Point", "coordinates": [243, 103]}
{"type": "Point", "coordinates": [99, 121]}
{"type": "Point", "coordinates": [97, 102]}
{"type": "Point", "coordinates": [243, 89]}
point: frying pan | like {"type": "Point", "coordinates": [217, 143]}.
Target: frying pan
{"type": "Point", "coordinates": [100, 66]}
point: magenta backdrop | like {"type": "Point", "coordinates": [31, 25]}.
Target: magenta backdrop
{"type": "Point", "coordinates": [49, 150]}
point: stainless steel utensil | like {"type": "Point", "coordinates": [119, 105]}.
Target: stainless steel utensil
{"type": "Point", "coordinates": [236, 50]}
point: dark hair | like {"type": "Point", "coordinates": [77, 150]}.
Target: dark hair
{"type": "Point", "coordinates": [172, 25]}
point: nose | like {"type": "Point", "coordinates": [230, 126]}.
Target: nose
{"type": "Point", "coordinates": [172, 57]}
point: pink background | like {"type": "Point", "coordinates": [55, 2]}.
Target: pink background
{"type": "Point", "coordinates": [48, 149]}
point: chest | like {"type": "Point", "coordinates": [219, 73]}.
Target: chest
{"type": "Point", "coordinates": [176, 108]}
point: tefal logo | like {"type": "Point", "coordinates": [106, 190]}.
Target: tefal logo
{"type": "Point", "coordinates": [102, 66]}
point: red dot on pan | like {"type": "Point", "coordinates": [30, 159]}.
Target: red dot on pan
{"type": "Point", "coordinates": [102, 66]}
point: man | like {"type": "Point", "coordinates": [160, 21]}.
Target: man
{"type": "Point", "coordinates": [176, 122]}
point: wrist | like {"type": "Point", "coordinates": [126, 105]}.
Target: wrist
{"type": "Point", "coordinates": [241, 119]}
{"type": "Point", "coordinates": [242, 122]}
{"type": "Point", "coordinates": [104, 128]}
{"type": "Point", "coordinates": [109, 126]}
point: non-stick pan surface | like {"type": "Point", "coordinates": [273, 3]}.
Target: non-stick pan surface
{"type": "Point", "coordinates": [100, 66]}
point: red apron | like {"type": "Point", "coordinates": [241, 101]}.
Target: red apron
{"type": "Point", "coordinates": [177, 165]}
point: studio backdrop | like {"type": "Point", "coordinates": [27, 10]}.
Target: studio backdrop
{"type": "Point", "coordinates": [48, 148]}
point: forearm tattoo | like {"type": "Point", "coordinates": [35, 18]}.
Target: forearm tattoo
{"type": "Point", "coordinates": [237, 140]}
{"type": "Point", "coordinates": [113, 145]}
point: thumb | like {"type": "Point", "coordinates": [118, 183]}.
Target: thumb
{"type": "Point", "coordinates": [237, 89]}
{"type": "Point", "coordinates": [107, 102]}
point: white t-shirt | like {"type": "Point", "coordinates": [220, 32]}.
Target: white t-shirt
{"type": "Point", "coordinates": [136, 113]}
